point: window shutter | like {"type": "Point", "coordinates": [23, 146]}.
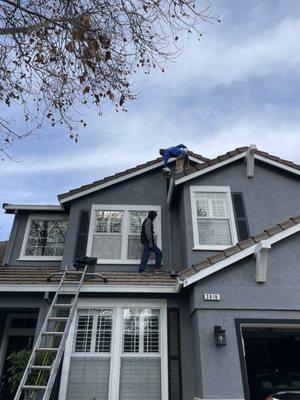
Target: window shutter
{"type": "Point", "coordinates": [175, 385]}
{"type": "Point", "coordinates": [240, 216]}
{"type": "Point", "coordinates": [82, 234]}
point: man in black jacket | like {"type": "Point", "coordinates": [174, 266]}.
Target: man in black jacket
{"type": "Point", "coordinates": [147, 240]}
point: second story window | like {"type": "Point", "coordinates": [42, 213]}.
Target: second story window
{"type": "Point", "coordinates": [44, 238]}
{"type": "Point", "coordinates": [114, 235]}
{"type": "Point", "coordinates": [212, 217]}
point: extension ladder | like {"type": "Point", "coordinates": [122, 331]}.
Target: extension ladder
{"type": "Point", "coordinates": [51, 341]}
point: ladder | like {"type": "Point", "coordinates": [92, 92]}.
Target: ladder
{"type": "Point", "coordinates": [51, 341]}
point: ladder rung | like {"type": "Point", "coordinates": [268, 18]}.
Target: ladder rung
{"type": "Point", "coordinates": [52, 333]}
{"type": "Point", "coordinates": [47, 349]}
{"type": "Point", "coordinates": [59, 305]}
{"type": "Point", "coordinates": [34, 387]}
{"type": "Point", "coordinates": [58, 319]}
{"type": "Point", "coordinates": [45, 367]}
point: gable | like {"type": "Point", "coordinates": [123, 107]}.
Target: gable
{"type": "Point", "coordinates": [120, 177]}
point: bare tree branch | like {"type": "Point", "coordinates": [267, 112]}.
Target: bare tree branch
{"type": "Point", "coordinates": [58, 56]}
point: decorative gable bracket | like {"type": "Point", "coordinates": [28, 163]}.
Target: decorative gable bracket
{"type": "Point", "coordinates": [249, 160]}
{"type": "Point", "coordinates": [261, 251]}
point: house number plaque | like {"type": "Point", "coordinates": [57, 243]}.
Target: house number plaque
{"type": "Point", "coordinates": [212, 296]}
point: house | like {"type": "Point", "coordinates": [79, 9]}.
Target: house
{"type": "Point", "coordinates": [217, 325]}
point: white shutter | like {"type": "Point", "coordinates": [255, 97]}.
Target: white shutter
{"type": "Point", "coordinates": [140, 379]}
{"type": "Point", "coordinates": [88, 378]}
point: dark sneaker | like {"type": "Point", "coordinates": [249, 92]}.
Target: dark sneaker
{"type": "Point", "coordinates": [141, 272]}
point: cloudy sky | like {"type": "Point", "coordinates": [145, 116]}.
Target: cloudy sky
{"type": "Point", "coordinates": [239, 85]}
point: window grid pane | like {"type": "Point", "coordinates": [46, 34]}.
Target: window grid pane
{"type": "Point", "coordinates": [84, 334]}
{"type": "Point", "coordinates": [151, 334]}
{"type": "Point", "coordinates": [108, 222]}
{"type": "Point", "coordinates": [46, 237]}
{"type": "Point", "coordinates": [141, 331]}
{"type": "Point", "coordinates": [131, 331]}
{"type": "Point", "coordinates": [104, 332]}
{"type": "Point", "coordinates": [109, 243]}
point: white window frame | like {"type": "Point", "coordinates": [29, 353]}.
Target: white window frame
{"type": "Point", "coordinates": [117, 342]}
{"type": "Point", "coordinates": [233, 231]}
{"type": "Point", "coordinates": [125, 230]}
{"type": "Point", "coordinates": [31, 217]}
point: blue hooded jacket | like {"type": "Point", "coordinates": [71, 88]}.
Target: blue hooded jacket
{"type": "Point", "coordinates": [172, 152]}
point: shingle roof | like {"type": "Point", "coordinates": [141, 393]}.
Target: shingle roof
{"type": "Point", "coordinates": [232, 154]}
{"type": "Point", "coordinates": [3, 246]}
{"type": "Point", "coordinates": [121, 174]}
{"type": "Point", "coordinates": [38, 276]}
{"type": "Point", "coordinates": [222, 255]}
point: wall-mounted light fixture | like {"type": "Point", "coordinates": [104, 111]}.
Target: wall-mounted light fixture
{"type": "Point", "coordinates": [220, 336]}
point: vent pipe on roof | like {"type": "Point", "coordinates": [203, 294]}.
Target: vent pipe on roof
{"type": "Point", "coordinates": [249, 160]}
{"type": "Point", "coordinates": [261, 251]}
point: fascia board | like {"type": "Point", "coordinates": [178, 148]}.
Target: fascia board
{"type": "Point", "coordinates": [238, 256]}
{"type": "Point", "coordinates": [277, 164]}
{"type": "Point", "coordinates": [209, 169]}
{"type": "Point", "coordinates": [120, 179]}
{"type": "Point", "coordinates": [88, 288]}
{"type": "Point", "coordinates": [16, 207]}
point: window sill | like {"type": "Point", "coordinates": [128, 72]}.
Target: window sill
{"type": "Point", "coordinates": [124, 262]}
{"type": "Point", "coordinates": [40, 258]}
{"type": "Point", "coordinates": [211, 247]}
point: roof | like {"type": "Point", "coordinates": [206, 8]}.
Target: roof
{"type": "Point", "coordinates": [34, 279]}
{"type": "Point", "coordinates": [241, 250]}
{"type": "Point", "coordinates": [3, 246]}
{"type": "Point", "coordinates": [234, 155]}
{"type": "Point", "coordinates": [120, 176]}
{"type": "Point", "coordinates": [12, 208]}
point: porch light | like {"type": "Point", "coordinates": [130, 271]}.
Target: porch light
{"type": "Point", "coordinates": [220, 336]}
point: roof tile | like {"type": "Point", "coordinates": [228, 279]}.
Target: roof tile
{"type": "Point", "coordinates": [216, 257]}
{"type": "Point", "coordinates": [286, 224]}
{"type": "Point", "coordinates": [201, 265]}
{"type": "Point", "coordinates": [244, 244]}
{"type": "Point", "coordinates": [232, 250]}
{"type": "Point", "coordinates": [273, 229]}
{"type": "Point", "coordinates": [260, 236]}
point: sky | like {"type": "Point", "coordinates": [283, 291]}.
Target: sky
{"type": "Point", "coordinates": [238, 86]}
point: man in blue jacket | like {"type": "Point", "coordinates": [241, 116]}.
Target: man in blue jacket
{"type": "Point", "coordinates": [180, 152]}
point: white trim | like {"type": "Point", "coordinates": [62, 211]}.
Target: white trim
{"type": "Point", "coordinates": [116, 346]}
{"type": "Point", "coordinates": [121, 179]}
{"type": "Point", "coordinates": [32, 207]}
{"type": "Point", "coordinates": [231, 219]}
{"type": "Point", "coordinates": [239, 256]}
{"type": "Point", "coordinates": [208, 169]}
{"type": "Point", "coordinates": [26, 235]}
{"type": "Point", "coordinates": [125, 225]}
{"type": "Point", "coordinates": [37, 288]}
{"type": "Point", "coordinates": [277, 164]}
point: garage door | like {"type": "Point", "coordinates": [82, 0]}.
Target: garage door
{"type": "Point", "coordinates": [272, 358]}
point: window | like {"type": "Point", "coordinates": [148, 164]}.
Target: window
{"type": "Point", "coordinates": [213, 218]}
{"type": "Point", "coordinates": [44, 238]}
{"type": "Point", "coordinates": [114, 235]}
{"type": "Point", "coordinates": [117, 353]}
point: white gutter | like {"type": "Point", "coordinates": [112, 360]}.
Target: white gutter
{"type": "Point", "coordinates": [88, 288]}
{"type": "Point", "coordinates": [277, 164]}
{"type": "Point", "coordinates": [16, 207]}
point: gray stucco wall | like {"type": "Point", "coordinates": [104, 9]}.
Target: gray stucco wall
{"type": "Point", "coordinates": [242, 297]}
{"type": "Point", "coordinates": [147, 189]}
{"type": "Point", "coordinates": [15, 244]}
{"type": "Point", "coordinates": [271, 196]}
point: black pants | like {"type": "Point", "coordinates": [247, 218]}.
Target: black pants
{"type": "Point", "coordinates": [146, 254]}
